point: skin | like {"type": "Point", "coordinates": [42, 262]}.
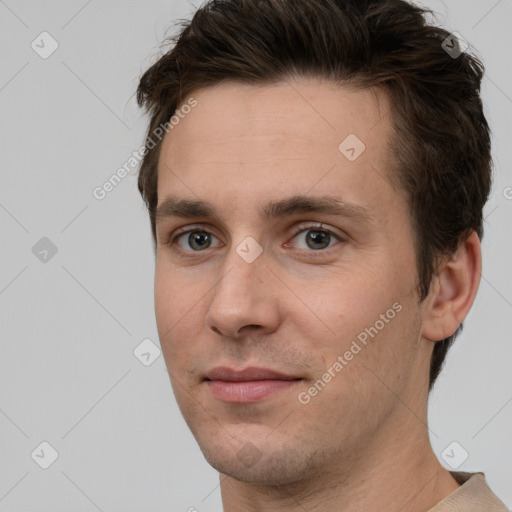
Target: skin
{"type": "Point", "coordinates": [295, 309]}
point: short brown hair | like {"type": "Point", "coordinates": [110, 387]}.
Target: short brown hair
{"type": "Point", "coordinates": [442, 140]}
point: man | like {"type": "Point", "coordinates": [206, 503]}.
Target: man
{"type": "Point", "coordinates": [316, 206]}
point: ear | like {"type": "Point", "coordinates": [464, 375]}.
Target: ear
{"type": "Point", "coordinates": [453, 290]}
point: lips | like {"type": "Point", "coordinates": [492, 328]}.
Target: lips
{"type": "Point", "coordinates": [248, 374]}
{"type": "Point", "coordinates": [247, 386]}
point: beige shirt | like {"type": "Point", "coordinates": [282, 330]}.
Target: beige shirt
{"type": "Point", "coordinates": [474, 495]}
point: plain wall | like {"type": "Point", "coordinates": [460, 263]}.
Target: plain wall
{"type": "Point", "coordinates": [69, 324]}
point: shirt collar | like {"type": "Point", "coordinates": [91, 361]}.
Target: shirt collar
{"type": "Point", "coordinates": [474, 495]}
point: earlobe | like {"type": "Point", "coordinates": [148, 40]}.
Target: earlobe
{"type": "Point", "coordinates": [453, 290]}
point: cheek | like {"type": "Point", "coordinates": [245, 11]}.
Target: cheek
{"type": "Point", "coordinates": [176, 312]}
{"type": "Point", "coordinates": [172, 295]}
{"type": "Point", "coordinates": [361, 314]}
{"type": "Point", "coordinates": [348, 298]}
{"type": "Point", "coordinates": [165, 304]}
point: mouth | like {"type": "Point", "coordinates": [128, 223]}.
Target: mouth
{"type": "Point", "coordinates": [249, 385]}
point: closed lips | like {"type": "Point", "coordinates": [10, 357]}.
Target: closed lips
{"type": "Point", "coordinates": [248, 374]}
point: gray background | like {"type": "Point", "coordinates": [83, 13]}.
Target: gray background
{"type": "Point", "coordinates": [69, 325]}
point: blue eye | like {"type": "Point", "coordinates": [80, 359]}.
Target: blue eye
{"type": "Point", "coordinates": [310, 238]}
{"type": "Point", "coordinates": [197, 240]}
{"type": "Point", "coordinates": [316, 239]}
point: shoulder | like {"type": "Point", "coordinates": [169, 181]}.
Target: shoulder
{"type": "Point", "coordinates": [473, 495]}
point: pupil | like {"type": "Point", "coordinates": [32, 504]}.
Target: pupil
{"type": "Point", "coordinates": [318, 237]}
{"type": "Point", "coordinates": [199, 240]}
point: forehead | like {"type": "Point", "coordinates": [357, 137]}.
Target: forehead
{"type": "Point", "coordinates": [308, 108]}
{"type": "Point", "coordinates": [267, 139]}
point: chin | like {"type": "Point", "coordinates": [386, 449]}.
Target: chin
{"type": "Point", "coordinates": [265, 464]}
{"type": "Point", "coordinates": [264, 472]}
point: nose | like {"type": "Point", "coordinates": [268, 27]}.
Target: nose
{"type": "Point", "coordinates": [244, 299]}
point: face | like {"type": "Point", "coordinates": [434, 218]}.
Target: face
{"type": "Point", "coordinates": [282, 245]}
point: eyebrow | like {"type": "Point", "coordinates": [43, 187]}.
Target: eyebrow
{"type": "Point", "coordinates": [330, 205]}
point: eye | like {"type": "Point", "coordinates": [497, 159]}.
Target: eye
{"type": "Point", "coordinates": [197, 240]}
{"type": "Point", "coordinates": [309, 238]}
{"type": "Point", "coordinates": [315, 238]}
